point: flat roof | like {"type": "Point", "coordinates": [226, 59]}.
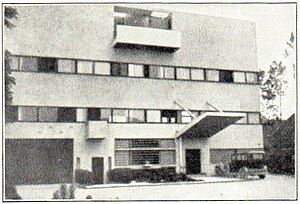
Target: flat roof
{"type": "Point", "coordinates": [209, 124]}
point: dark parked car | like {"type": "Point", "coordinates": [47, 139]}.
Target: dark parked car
{"type": "Point", "coordinates": [248, 164]}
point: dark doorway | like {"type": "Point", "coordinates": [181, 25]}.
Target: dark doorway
{"type": "Point", "coordinates": [192, 159]}
{"type": "Point", "coordinates": [98, 170]}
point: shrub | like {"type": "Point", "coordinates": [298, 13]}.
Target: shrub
{"type": "Point", "coordinates": [83, 177]}
{"type": "Point", "coordinates": [126, 175]}
{"type": "Point", "coordinates": [123, 175]}
{"type": "Point", "coordinates": [11, 192]}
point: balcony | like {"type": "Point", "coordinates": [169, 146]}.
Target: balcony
{"type": "Point", "coordinates": [96, 130]}
{"type": "Point", "coordinates": [145, 37]}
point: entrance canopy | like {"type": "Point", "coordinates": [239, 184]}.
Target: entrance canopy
{"type": "Point", "coordinates": [208, 124]}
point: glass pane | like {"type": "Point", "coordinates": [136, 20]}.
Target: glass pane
{"type": "Point", "coordinates": [160, 23]}
{"type": "Point", "coordinates": [182, 73]}
{"type": "Point", "coordinates": [118, 69]}
{"type": "Point", "coordinates": [94, 114]}
{"type": "Point", "coordinates": [212, 75]}
{"type": "Point", "coordinates": [28, 113]}
{"type": "Point", "coordinates": [14, 63]}
{"type": "Point", "coordinates": [153, 116]}
{"type": "Point", "coordinates": [28, 64]}
{"type": "Point", "coordinates": [197, 74]}
{"type": "Point", "coordinates": [253, 118]}
{"type": "Point", "coordinates": [144, 157]}
{"type": "Point", "coordinates": [144, 143]}
{"type": "Point", "coordinates": [102, 68]}
{"type": "Point", "coordinates": [137, 20]}
{"type": "Point", "coordinates": [169, 72]}
{"type": "Point", "coordinates": [239, 77]}
{"type": "Point", "coordinates": [106, 115]}
{"type": "Point", "coordinates": [84, 67]}
{"type": "Point", "coordinates": [120, 115]}
{"type": "Point", "coordinates": [226, 76]}
{"type": "Point", "coordinates": [66, 66]}
{"type": "Point", "coordinates": [66, 114]}
{"type": "Point", "coordinates": [11, 113]}
{"type": "Point", "coordinates": [155, 72]}
{"type": "Point", "coordinates": [136, 115]}
{"type": "Point", "coordinates": [47, 64]}
{"type": "Point", "coordinates": [48, 114]}
{"type": "Point", "coordinates": [136, 70]}
{"type": "Point", "coordinates": [251, 78]}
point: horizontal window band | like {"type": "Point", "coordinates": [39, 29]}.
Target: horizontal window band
{"type": "Point", "coordinates": [126, 62]}
{"type": "Point", "coordinates": [137, 77]}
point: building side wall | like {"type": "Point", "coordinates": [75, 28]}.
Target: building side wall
{"type": "Point", "coordinates": [72, 90]}
{"type": "Point", "coordinates": [206, 41]}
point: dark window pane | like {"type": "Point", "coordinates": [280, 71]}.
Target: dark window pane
{"type": "Point", "coordinates": [66, 114]}
{"type": "Point", "coordinates": [169, 116]}
{"type": "Point", "coordinates": [47, 65]}
{"type": "Point", "coordinates": [144, 143]}
{"type": "Point", "coordinates": [118, 69]}
{"type": "Point", "coordinates": [144, 157]}
{"type": "Point", "coordinates": [11, 113]}
{"type": "Point", "coordinates": [226, 76]}
{"type": "Point", "coordinates": [94, 114]}
{"type": "Point", "coordinates": [47, 114]}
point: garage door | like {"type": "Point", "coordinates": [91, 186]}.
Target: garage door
{"type": "Point", "coordinates": [38, 161]}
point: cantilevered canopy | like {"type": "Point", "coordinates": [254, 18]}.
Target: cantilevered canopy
{"type": "Point", "coordinates": [208, 124]}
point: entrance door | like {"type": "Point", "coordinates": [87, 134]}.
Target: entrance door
{"type": "Point", "coordinates": [98, 169]}
{"type": "Point", "coordinates": [192, 159]}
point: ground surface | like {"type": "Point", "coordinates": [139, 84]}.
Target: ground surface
{"type": "Point", "coordinates": [273, 187]}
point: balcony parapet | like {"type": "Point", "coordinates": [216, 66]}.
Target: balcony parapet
{"type": "Point", "coordinates": [133, 36]}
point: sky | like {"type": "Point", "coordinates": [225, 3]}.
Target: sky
{"type": "Point", "coordinates": [274, 24]}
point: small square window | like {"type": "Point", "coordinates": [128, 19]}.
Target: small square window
{"type": "Point", "coordinates": [105, 115]}
{"type": "Point", "coordinates": [155, 71]}
{"type": "Point", "coordinates": [102, 68]}
{"type": "Point", "coordinates": [226, 76]}
{"type": "Point", "coordinates": [119, 69]}
{"type": "Point", "coordinates": [251, 78]}
{"type": "Point", "coordinates": [48, 114]}
{"type": "Point", "coordinates": [14, 63]}
{"type": "Point", "coordinates": [136, 70]}
{"type": "Point", "coordinates": [169, 116]}
{"type": "Point", "coordinates": [120, 116]}
{"type": "Point", "coordinates": [197, 74]}
{"type": "Point", "coordinates": [47, 64]}
{"type": "Point", "coordinates": [136, 116]}
{"type": "Point", "coordinates": [239, 77]}
{"type": "Point", "coordinates": [94, 114]}
{"type": "Point", "coordinates": [212, 75]}
{"type": "Point", "coordinates": [183, 73]}
{"type": "Point", "coordinates": [28, 64]}
{"type": "Point", "coordinates": [66, 114]}
{"type": "Point", "coordinates": [153, 116]}
{"type": "Point", "coordinates": [28, 113]}
{"type": "Point", "coordinates": [11, 113]}
{"type": "Point", "coordinates": [169, 72]}
{"type": "Point", "coordinates": [66, 66]}
{"type": "Point", "coordinates": [84, 67]}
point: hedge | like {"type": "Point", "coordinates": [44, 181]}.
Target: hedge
{"type": "Point", "coordinates": [126, 175]}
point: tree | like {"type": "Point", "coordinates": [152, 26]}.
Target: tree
{"type": "Point", "coordinates": [9, 14]}
{"type": "Point", "coordinates": [273, 85]}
